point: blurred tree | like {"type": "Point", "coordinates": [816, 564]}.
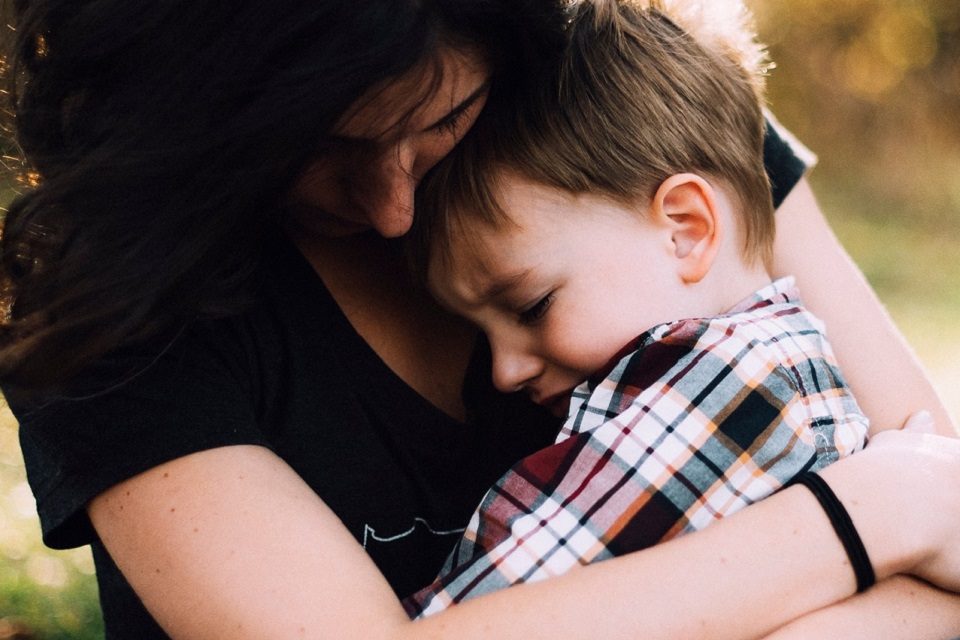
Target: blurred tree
{"type": "Point", "coordinates": [874, 88]}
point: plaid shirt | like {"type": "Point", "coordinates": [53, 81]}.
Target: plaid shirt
{"type": "Point", "coordinates": [694, 420]}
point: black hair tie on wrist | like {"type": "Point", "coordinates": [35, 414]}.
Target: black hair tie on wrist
{"type": "Point", "coordinates": [843, 525]}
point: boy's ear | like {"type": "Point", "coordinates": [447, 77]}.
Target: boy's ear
{"type": "Point", "coordinates": [687, 203]}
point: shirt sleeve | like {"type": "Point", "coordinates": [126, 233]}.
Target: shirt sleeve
{"type": "Point", "coordinates": [785, 158]}
{"type": "Point", "coordinates": [139, 410]}
{"type": "Point", "coordinates": [704, 422]}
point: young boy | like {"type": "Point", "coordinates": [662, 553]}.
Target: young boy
{"type": "Point", "coordinates": [628, 192]}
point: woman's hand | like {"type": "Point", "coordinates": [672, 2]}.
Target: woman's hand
{"type": "Point", "coordinates": [901, 607]}
{"type": "Point", "coordinates": [907, 499]}
{"type": "Point", "coordinates": [936, 499]}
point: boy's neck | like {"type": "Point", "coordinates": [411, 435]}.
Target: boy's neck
{"type": "Point", "coordinates": [732, 275]}
{"type": "Point", "coordinates": [730, 281]}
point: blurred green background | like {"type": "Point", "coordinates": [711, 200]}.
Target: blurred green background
{"type": "Point", "coordinates": [871, 86]}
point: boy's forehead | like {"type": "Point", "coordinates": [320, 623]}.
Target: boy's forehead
{"type": "Point", "coordinates": [462, 263]}
{"type": "Point", "coordinates": [521, 197]}
{"type": "Point", "coordinates": [480, 259]}
{"type": "Point", "coordinates": [472, 268]}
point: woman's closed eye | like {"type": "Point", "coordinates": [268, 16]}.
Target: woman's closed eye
{"type": "Point", "coordinates": [535, 313]}
{"type": "Point", "coordinates": [450, 125]}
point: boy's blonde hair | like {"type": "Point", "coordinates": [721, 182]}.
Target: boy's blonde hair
{"type": "Point", "coordinates": [643, 90]}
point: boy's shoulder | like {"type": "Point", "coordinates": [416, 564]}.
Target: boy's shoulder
{"type": "Point", "coordinates": [768, 327]}
{"type": "Point", "coordinates": [769, 346]}
{"type": "Point", "coordinates": [771, 318]}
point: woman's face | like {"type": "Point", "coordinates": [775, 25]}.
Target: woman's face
{"type": "Point", "coordinates": [383, 146]}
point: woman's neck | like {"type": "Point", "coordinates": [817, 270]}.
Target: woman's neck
{"type": "Point", "coordinates": [425, 346]}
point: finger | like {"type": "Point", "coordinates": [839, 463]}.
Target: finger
{"type": "Point", "coordinates": [920, 422]}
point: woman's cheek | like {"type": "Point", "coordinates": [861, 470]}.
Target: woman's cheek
{"type": "Point", "coordinates": [431, 151]}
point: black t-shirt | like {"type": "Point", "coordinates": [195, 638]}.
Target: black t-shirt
{"type": "Point", "coordinates": [292, 375]}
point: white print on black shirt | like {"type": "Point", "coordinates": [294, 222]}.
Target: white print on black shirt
{"type": "Point", "coordinates": [370, 534]}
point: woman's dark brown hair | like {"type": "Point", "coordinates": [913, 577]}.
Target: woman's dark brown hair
{"type": "Point", "coordinates": [163, 135]}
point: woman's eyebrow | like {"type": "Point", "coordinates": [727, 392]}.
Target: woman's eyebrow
{"type": "Point", "coordinates": [465, 104]}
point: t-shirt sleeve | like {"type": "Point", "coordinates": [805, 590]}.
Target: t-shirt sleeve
{"type": "Point", "coordinates": [138, 411]}
{"type": "Point", "coordinates": [785, 158]}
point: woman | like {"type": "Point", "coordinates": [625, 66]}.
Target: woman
{"type": "Point", "coordinates": [225, 382]}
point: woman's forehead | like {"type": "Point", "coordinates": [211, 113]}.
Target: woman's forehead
{"type": "Point", "coordinates": [419, 99]}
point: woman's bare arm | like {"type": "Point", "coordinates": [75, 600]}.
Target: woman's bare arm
{"type": "Point", "coordinates": [885, 374]}
{"type": "Point", "coordinates": [890, 383]}
{"type": "Point", "coordinates": [231, 543]}
{"type": "Point", "coordinates": [899, 608]}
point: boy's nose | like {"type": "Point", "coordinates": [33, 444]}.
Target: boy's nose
{"type": "Point", "coordinates": [513, 369]}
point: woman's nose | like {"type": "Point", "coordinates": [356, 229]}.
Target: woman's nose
{"type": "Point", "coordinates": [391, 205]}
{"type": "Point", "coordinates": [514, 369]}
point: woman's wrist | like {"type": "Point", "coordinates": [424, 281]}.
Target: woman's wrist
{"type": "Point", "coordinates": [843, 526]}
{"type": "Point", "coordinates": [887, 497]}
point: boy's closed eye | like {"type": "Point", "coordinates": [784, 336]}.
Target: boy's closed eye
{"type": "Point", "coordinates": [537, 311]}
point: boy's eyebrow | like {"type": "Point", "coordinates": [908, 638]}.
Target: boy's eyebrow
{"type": "Point", "coordinates": [498, 286]}
{"type": "Point", "coordinates": [465, 104]}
